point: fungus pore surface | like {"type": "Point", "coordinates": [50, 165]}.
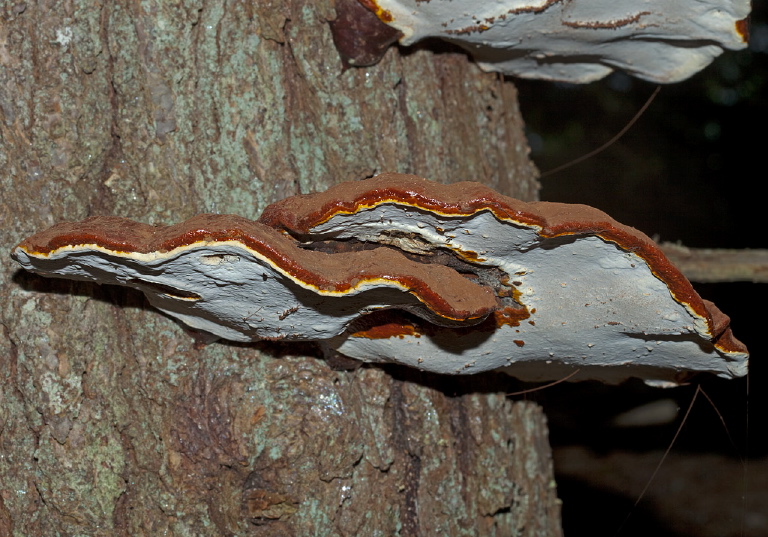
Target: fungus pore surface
{"type": "Point", "coordinates": [452, 279]}
{"type": "Point", "coordinates": [577, 41]}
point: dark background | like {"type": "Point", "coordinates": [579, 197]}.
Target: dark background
{"type": "Point", "coordinates": [690, 170]}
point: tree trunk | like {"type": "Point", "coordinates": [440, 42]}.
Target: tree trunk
{"type": "Point", "coordinates": [112, 420]}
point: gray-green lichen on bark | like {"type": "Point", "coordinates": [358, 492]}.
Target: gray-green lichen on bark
{"type": "Point", "coordinates": [112, 420]}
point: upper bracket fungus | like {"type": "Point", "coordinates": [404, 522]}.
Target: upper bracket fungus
{"type": "Point", "coordinates": [577, 41]}
{"type": "Point", "coordinates": [447, 278]}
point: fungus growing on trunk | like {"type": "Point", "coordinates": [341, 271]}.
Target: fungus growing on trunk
{"type": "Point", "coordinates": [576, 41]}
{"type": "Point", "coordinates": [448, 278]}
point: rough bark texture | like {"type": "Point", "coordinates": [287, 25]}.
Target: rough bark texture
{"type": "Point", "coordinates": [112, 420]}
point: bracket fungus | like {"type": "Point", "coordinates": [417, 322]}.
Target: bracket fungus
{"type": "Point", "coordinates": [453, 279]}
{"type": "Point", "coordinates": [577, 41]}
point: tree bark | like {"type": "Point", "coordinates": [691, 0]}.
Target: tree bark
{"type": "Point", "coordinates": [113, 421]}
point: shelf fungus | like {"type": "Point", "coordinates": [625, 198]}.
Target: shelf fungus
{"type": "Point", "coordinates": [453, 279]}
{"type": "Point", "coordinates": [573, 41]}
